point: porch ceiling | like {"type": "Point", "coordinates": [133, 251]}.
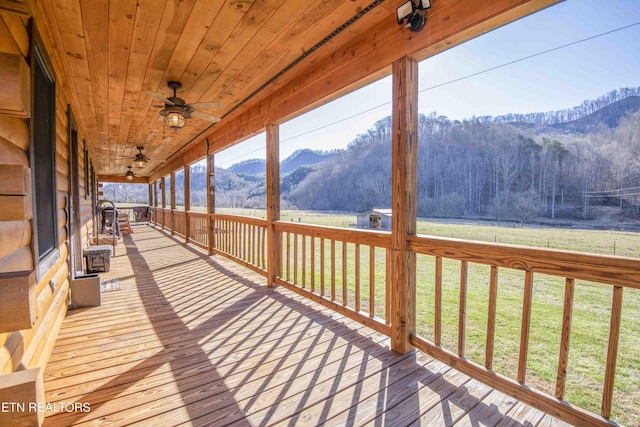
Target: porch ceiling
{"type": "Point", "coordinates": [229, 52]}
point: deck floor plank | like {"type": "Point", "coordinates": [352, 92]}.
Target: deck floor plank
{"type": "Point", "coordinates": [195, 340]}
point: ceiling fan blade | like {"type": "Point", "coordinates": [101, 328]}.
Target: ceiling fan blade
{"type": "Point", "coordinates": [205, 105]}
{"type": "Point", "coordinates": [204, 116]}
{"type": "Point", "coordinates": [160, 97]}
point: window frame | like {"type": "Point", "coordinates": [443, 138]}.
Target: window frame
{"type": "Point", "coordinates": [44, 259]}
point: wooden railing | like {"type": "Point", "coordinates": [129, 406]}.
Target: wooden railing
{"type": "Point", "coordinates": [198, 229]}
{"type": "Point", "coordinates": [180, 223]}
{"type": "Point", "coordinates": [568, 267]}
{"type": "Point", "coordinates": [242, 239]}
{"type": "Point", "coordinates": [348, 271]}
{"type": "Point", "coordinates": [345, 270]}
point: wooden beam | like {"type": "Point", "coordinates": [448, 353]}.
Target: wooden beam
{"type": "Point", "coordinates": [123, 179]}
{"type": "Point", "coordinates": [274, 239]}
{"type": "Point", "coordinates": [404, 153]}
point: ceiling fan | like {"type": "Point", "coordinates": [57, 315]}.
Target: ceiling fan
{"type": "Point", "coordinates": [140, 160]}
{"type": "Point", "coordinates": [176, 111]}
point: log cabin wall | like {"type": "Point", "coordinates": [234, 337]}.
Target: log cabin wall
{"type": "Point", "coordinates": [27, 346]}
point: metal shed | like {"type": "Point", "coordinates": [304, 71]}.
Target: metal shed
{"type": "Point", "coordinates": [375, 218]}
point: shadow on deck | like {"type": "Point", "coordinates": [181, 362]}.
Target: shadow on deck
{"type": "Point", "coordinates": [196, 340]}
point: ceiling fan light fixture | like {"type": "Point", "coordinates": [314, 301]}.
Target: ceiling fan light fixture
{"type": "Point", "coordinates": [129, 174]}
{"type": "Point", "coordinates": [140, 161]}
{"type": "Point", "coordinates": [175, 120]}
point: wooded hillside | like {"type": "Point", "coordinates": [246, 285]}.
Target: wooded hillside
{"type": "Point", "coordinates": [518, 167]}
{"type": "Point", "coordinates": [515, 166]}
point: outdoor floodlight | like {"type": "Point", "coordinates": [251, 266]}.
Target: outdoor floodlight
{"type": "Point", "coordinates": [413, 14]}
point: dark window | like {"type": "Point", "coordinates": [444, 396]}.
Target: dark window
{"type": "Point", "coordinates": [87, 187]}
{"type": "Point", "coordinates": [43, 158]}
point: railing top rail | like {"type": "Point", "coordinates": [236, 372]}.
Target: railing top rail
{"type": "Point", "coordinates": [241, 218]}
{"type": "Point", "coordinates": [609, 269]}
{"type": "Point", "coordinates": [363, 237]}
{"type": "Point", "coordinates": [196, 213]}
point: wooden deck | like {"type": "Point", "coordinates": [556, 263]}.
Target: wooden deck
{"type": "Point", "coordinates": [197, 340]}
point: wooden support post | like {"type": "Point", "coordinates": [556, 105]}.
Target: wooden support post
{"type": "Point", "coordinates": [211, 201]}
{"type": "Point", "coordinates": [187, 202]}
{"type": "Point", "coordinates": [164, 193]}
{"type": "Point", "coordinates": [404, 155]}
{"type": "Point", "coordinates": [155, 194]}
{"type": "Point", "coordinates": [274, 239]}
{"type": "Point", "coordinates": [172, 202]}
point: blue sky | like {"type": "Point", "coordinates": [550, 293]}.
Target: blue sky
{"type": "Point", "coordinates": [464, 81]}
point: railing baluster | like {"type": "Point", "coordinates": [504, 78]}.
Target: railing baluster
{"type": "Point", "coordinates": [387, 288]}
{"type": "Point", "coordinates": [312, 265]}
{"type": "Point", "coordinates": [357, 255]}
{"type": "Point", "coordinates": [437, 327]}
{"type": "Point", "coordinates": [232, 237]}
{"type": "Point", "coordinates": [333, 270]}
{"type": "Point", "coordinates": [304, 261]}
{"type": "Point", "coordinates": [344, 273]}
{"type": "Point", "coordinates": [462, 315]}
{"type": "Point", "coordinates": [255, 245]}
{"type": "Point", "coordinates": [243, 241]}
{"type": "Point", "coordinates": [288, 257]}
{"type": "Point", "coordinates": [612, 352]}
{"type": "Point", "coordinates": [525, 328]}
{"type": "Point", "coordinates": [491, 320]}
{"type": "Point", "coordinates": [226, 236]}
{"type": "Point", "coordinates": [263, 245]}
{"type": "Point", "coordinates": [322, 267]}
{"type": "Point", "coordinates": [372, 281]}
{"type": "Point", "coordinates": [563, 359]}
{"type": "Point", "coordinates": [252, 244]}
{"type": "Point", "coordinates": [295, 258]}
{"type": "Point", "coordinates": [238, 250]}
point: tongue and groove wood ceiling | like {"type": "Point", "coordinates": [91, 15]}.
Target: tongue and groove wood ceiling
{"type": "Point", "coordinates": [225, 51]}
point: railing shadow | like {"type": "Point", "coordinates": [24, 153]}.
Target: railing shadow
{"type": "Point", "coordinates": [239, 352]}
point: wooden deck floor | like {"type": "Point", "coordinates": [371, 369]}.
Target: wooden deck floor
{"type": "Point", "coordinates": [194, 340]}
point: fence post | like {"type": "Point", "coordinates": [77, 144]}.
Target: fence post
{"type": "Point", "coordinates": [404, 158]}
